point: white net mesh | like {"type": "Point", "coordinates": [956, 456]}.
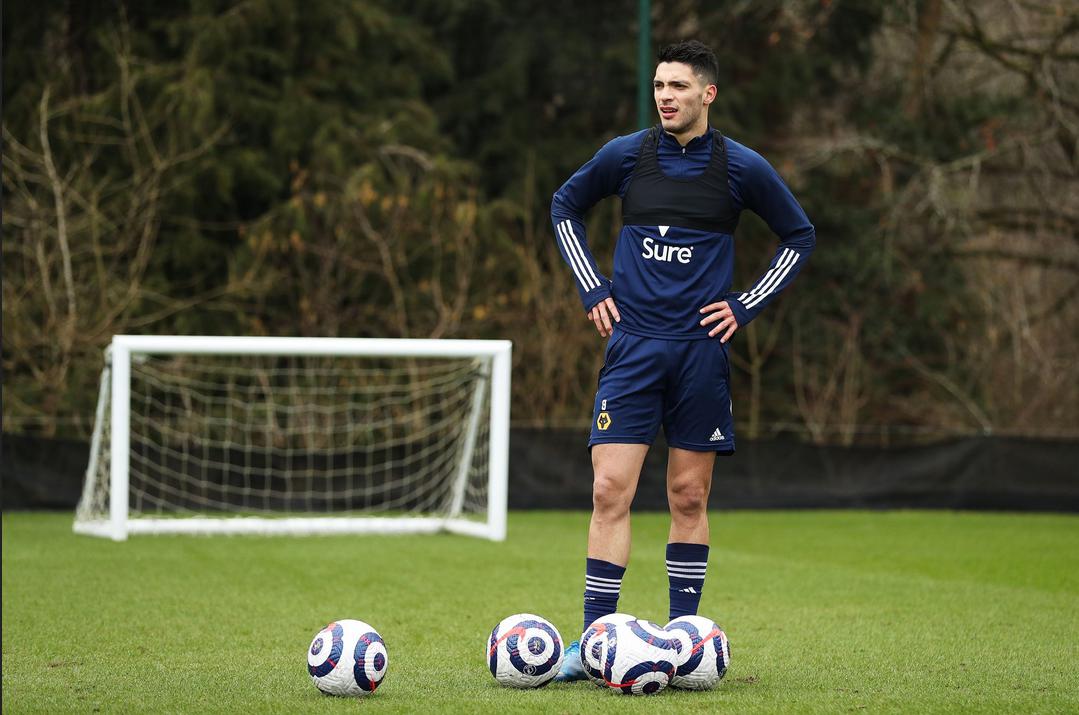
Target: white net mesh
{"type": "Point", "coordinates": [278, 436]}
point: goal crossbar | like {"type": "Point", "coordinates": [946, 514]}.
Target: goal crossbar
{"type": "Point", "coordinates": [329, 347]}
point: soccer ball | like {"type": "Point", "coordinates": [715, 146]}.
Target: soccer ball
{"type": "Point", "coordinates": [524, 651]}
{"type": "Point", "coordinates": [630, 655]}
{"type": "Point", "coordinates": [704, 654]}
{"type": "Point", "coordinates": [347, 658]}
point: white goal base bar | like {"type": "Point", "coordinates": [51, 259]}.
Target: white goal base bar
{"type": "Point", "coordinates": [289, 526]}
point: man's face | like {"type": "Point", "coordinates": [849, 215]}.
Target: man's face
{"type": "Point", "coordinates": [681, 96]}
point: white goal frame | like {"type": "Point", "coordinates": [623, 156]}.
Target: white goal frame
{"type": "Point", "coordinates": [123, 347]}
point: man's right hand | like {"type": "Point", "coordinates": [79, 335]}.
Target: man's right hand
{"type": "Point", "coordinates": [604, 314]}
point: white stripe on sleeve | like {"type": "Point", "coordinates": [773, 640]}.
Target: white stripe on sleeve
{"type": "Point", "coordinates": [777, 280]}
{"type": "Point", "coordinates": [584, 259]}
{"type": "Point", "coordinates": [573, 261]}
{"type": "Point", "coordinates": [767, 276]}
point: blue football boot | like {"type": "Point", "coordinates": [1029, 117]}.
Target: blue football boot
{"type": "Point", "coordinates": [572, 668]}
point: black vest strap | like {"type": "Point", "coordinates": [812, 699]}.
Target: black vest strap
{"type": "Point", "coordinates": [703, 203]}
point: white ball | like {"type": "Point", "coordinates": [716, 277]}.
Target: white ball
{"type": "Point", "coordinates": [347, 657]}
{"type": "Point", "coordinates": [629, 655]}
{"type": "Point", "coordinates": [524, 651]}
{"type": "Point", "coordinates": [704, 654]}
{"type": "Point", "coordinates": [594, 644]}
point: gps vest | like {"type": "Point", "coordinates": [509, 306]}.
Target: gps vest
{"type": "Point", "coordinates": [702, 203]}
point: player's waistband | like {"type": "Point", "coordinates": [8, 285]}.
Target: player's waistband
{"type": "Point", "coordinates": [701, 334]}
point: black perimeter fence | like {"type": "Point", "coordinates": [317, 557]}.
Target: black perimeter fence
{"type": "Point", "coordinates": [551, 469]}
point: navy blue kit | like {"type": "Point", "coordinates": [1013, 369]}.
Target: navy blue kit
{"type": "Point", "coordinates": [675, 255]}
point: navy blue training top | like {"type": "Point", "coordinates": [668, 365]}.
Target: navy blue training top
{"type": "Point", "coordinates": [664, 275]}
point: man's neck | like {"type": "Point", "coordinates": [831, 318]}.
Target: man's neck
{"type": "Point", "coordinates": [686, 136]}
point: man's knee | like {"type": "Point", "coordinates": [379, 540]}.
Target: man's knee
{"type": "Point", "coordinates": [611, 494]}
{"type": "Point", "coordinates": [688, 499]}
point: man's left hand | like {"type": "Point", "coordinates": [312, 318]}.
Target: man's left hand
{"type": "Point", "coordinates": [720, 313]}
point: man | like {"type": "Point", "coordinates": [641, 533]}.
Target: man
{"type": "Point", "coordinates": [669, 315]}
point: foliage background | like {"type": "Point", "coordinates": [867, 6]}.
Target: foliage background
{"type": "Point", "coordinates": [377, 168]}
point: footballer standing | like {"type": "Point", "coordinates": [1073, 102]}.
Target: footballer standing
{"type": "Point", "coordinates": [668, 313]}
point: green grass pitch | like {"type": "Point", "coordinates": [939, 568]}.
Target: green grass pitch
{"type": "Point", "coordinates": [826, 611]}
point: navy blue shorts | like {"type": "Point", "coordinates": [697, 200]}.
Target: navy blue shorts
{"type": "Point", "coordinates": [680, 384]}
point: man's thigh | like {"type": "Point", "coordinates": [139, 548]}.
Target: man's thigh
{"type": "Point", "coordinates": [619, 462]}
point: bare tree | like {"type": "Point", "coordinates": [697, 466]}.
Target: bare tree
{"type": "Point", "coordinates": [1003, 206]}
{"type": "Point", "coordinates": [85, 189]}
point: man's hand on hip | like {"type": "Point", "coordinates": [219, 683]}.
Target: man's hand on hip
{"type": "Point", "coordinates": [604, 314]}
{"type": "Point", "coordinates": [720, 313]}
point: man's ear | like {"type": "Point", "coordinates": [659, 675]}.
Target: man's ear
{"type": "Point", "coordinates": [710, 93]}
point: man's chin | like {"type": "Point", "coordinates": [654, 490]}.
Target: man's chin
{"type": "Point", "coordinates": [672, 125]}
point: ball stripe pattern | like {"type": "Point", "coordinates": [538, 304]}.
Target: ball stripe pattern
{"type": "Point", "coordinates": [513, 636]}
{"type": "Point", "coordinates": [492, 652]}
{"type": "Point", "coordinates": [639, 672]}
{"type": "Point", "coordinates": [369, 661]}
{"type": "Point", "coordinates": [696, 651]}
{"type": "Point", "coordinates": [722, 647]}
{"type": "Point", "coordinates": [318, 669]}
{"type": "Point", "coordinates": [705, 652]}
{"type": "Point", "coordinates": [597, 656]}
{"type": "Point", "coordinates": [657, 637]}
{"type": "Point", "coordinates": [723, 651]}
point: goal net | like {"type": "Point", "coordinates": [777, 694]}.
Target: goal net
{"type": "Point", "coordinates": [299, 436]}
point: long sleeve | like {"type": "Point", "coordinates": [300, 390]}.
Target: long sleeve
{"type": "Point", "coordinates": [761, 190]}
{"type": "Point", "coordinates": [602, 176]}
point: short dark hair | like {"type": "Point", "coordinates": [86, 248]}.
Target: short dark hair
{"type": "Point", "coordinates": [697, 55]}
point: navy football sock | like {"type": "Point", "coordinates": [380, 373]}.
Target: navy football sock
{"type": "Point", "coordinates": [602, 583]}
{"type": "Point", "coordinates": [686, 564]}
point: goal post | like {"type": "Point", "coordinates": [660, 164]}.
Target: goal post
{"type": "Point", "coordinates": [265, 435]}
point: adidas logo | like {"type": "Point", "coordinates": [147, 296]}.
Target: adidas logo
{"type": "Point", "coordinates": [688, 589]}
{"type": "Point", "coordinates": [716, 436]}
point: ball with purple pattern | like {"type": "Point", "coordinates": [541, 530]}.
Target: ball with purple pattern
{"type": "Point", "coordinates": [629, 655]}
{"type": "Point", "coordinates": [348, 658]}
{"type": "Point", "coordinates": [524, 651]}
{"type": "Point", "coordinates": [704, 654]}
